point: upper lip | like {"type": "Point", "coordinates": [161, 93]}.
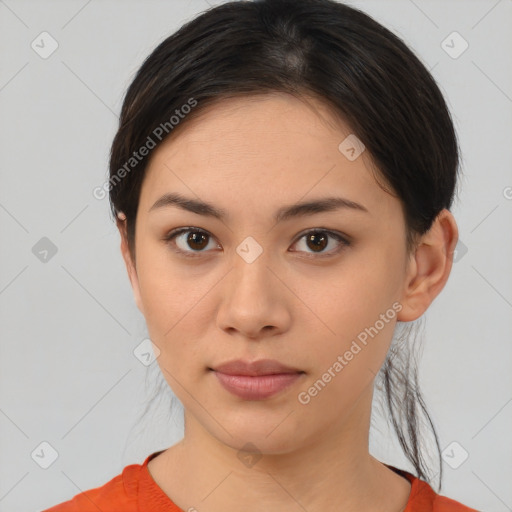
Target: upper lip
{"type": "Point", "coordinates": [254, 368]}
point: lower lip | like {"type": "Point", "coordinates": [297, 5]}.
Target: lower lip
{"type": "Point", "coordinates": [257, 388]}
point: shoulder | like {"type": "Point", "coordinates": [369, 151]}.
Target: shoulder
{"type": "Point", "coordinates": [444, 504]}
{"type": "Point", "coordinates": [424, 499]}
{"type": "Point", "coordinates": [120, 493]}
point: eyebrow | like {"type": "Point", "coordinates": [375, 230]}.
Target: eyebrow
{"type": "Point", "coordinates": [326, 204]}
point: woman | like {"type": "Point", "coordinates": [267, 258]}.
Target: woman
{"type": "Point", "coordinates": [281, 180]}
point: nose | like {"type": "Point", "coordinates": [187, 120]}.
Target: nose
{"type": "Point", "coordinates": [254, 301]}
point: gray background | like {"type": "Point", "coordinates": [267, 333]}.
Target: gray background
{"type": "Point", "coordinates": [69, 325]}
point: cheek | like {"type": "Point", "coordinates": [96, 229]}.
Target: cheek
{"type": "Point", "coordinates": [175, 303]}
{"type": "Point", "coordinates": [356, 310]}
{"type": "Point", "coordinates": [344, 364]}
{"type": "Point", "coordinates": [164, 292]}
{"type": "Point", "coordinates": [354, 298]}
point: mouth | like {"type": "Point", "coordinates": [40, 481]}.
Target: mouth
{"type": "Point", "coordinates": [255, 368]}
{"type": "Point", "coordinates": [256, 380]}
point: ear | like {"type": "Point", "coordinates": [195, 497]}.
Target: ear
{"type": "Point", "coordinates": [130, 266]}
{"type": "Point", "coordinates": [429, 267]}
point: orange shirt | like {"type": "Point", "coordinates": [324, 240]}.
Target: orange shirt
{"type": "Point", "coordinates": [134, 490]}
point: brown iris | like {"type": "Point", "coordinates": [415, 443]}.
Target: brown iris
{"type": "Point", "coordinates": [199, 238]}
{"type": "Point", "coordinates": [319, 240]}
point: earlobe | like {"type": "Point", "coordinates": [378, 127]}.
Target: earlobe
{"type": "Point", "coordinates": [429, 267]}
{"type": "Point", "coordinates": [130, 267]}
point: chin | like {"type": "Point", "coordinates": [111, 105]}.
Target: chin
{"type": "Point", "coordinates": [265, 438]}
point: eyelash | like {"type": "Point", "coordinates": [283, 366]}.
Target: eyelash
{"type": "Point", "coordinates": [169, 239]}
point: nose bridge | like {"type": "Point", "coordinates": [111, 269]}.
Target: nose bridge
{"type": "Point", "coordinates": [251, 298]}
{"type": "Point", "coordinates": [251, 267]}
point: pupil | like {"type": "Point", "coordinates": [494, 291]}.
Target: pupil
{"type": "Point", "coordinates": [193, 237]}
{"type": "Point", "coordinates": [317, 245]}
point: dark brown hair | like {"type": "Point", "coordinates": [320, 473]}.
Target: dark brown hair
{"type": "Point", "coordinates": [362, 71]}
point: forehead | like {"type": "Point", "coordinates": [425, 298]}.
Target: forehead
{"type": "Point", "coordinates": [264, 150]}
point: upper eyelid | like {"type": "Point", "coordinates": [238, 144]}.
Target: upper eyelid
{"type": "Point", "coordinates": [344, 240]}
{"type": "Point", "coordinates": [184, 229]}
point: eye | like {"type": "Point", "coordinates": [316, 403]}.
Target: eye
{"type": "Point", "coordinates": [198, 240]}
{"type": "Point", "coordinates": [318, 240]}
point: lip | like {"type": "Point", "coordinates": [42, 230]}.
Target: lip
{"type": "Point", "coordinates": [256, 380]}
{"type": "Point", "coordinates": [254, 368]}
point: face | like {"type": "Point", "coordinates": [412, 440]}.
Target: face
{"type": "Point", "coordinates": [318, 291]}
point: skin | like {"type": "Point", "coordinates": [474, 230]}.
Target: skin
{"type": "Point", "coordinates": [251, 156]}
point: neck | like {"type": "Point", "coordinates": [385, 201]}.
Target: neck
{"type": "Point", "coordinates": [332, 470]}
